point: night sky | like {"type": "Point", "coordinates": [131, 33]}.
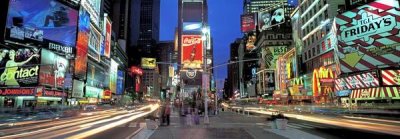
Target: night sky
{"type": "Point", "coordinates": [224, 21]}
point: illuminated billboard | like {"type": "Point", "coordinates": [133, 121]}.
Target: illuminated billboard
{"type": "Point", "coordinates": [192, 51]}
{"type": "Point", "coordinates": [296, 29]}
{"type": "Point", "coordinates": [45, 23]}
{"type": "Point", "coordinates": [19, 67]}
{"type": "Point", "coordinates": [270, 55]}
{"type": "Point", "coordinates": [271, 18]}
{"type": "Point", "coordinates": [368, 37]}
{"type": "Point", "coordinates": [107, 37]}
{"type": "Point", "coordinates": [391, 77]}
{"type": "Point", "coordinates": [192, 26]}
{"type": "Point", "coordinates": [93, 7]}
{"type": "Point", "coordinates": [248, 22]}
{"type": "Point", "coordinates": [149, 63]}
{"type": "Point", "coordinates": [18, 91]}
{"type": "Point", "coordinates": [53, 69]}
{"type": "Point", "coordinates": [120, 82]}
{"type": "Point", "coordinates": [82, 44]}
{"type": "Point", "coordinates": [94, 43]}
{"type": "Point", "coordinates": [77, 90]}
{"type": "Point", "coordinates": [113, 75]}
{"type": "Point", "coordinates": [96, 76]}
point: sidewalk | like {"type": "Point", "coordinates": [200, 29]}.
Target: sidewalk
{"type": "Point", "coordinates": [226, 125]}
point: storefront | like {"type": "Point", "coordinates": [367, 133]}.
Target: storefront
{"type": "Point", "coordinates": [17, 97]}
{"type": "Point", "coordinates": [323, 85]}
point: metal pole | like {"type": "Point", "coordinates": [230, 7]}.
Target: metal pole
{"type": "Point", "coordinates": [206, 118]}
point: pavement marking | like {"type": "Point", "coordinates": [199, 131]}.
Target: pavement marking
{"type": "Point", "coordinates": [132, 124]}
{"type": "Point", "coordinates": [292, 126]}
{"type": "Point", "coordinates": [293, 133]}
{"type": "Point", "coordinates": [300, 125]}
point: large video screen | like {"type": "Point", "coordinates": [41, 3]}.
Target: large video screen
{"type": "Point", "coordinates": [47, 23]}
{"type": "Point", "coordinates": [82, 44]}
{"type": "Point", "coordinates": [271, 18]}
{"type": "Point", "coordinates": [19, 67]}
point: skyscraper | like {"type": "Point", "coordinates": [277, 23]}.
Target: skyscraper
{"type": "Point", "coordinates": [144, 25]}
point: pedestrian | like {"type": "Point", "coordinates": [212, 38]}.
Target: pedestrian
{"type": "Point", "coordinates": [167, 112]}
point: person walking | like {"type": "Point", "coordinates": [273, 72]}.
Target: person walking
{"type": "Point", "coordinates": [167, 112]}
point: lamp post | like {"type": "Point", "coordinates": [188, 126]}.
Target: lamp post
{"type": "Point", "coordinates": [205, 38]}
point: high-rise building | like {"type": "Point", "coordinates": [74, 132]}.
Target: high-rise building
{"type": "Point", "coordinates": [144, 25]}
{"type": "Point", "coordinates": [166, 57]}
{"type": "Point", "coordinates": [233, 70]}
{"type": "Point", "coordinates": [192, 19]}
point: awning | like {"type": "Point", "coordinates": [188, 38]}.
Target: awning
{"type": "Point", "coordinates": [366, 93]}
{"type": "Point", "coordinates": [391, 92]}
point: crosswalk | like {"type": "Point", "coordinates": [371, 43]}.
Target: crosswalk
{"type": "Point", "coordinates": [305, 125]}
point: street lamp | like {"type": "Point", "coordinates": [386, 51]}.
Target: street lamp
{"type": "Point", "coordinates": [204, 38]}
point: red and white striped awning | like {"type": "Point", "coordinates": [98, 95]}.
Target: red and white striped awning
{"type": "Point", "coordinates": [366, 93]}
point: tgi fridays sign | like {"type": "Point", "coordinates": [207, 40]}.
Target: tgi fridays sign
{"type": "Point", "coordinates": [368, 36]}
{"type": "Point", "coordinates": [391, 77]}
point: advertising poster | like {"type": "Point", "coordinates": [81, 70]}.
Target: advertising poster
{"type": "Point", "coordinates": [271, 18]}
{"type": "Point", "coordinates": [96, 76]}
{"type": "Point", "coordinates": [270, 55]}
{"type": "Point", "coordinates": [296, 29]}
{"type": "Point", "coordinates": [93, 92]}
{"type": "Point", "coordinates": [368, 37]}
{"type": "Point", "coordinates": [53, 69]}
{"type": "Point", "coordinates": [107, 38]}
{"type": "Point", "coordinates": [192, 26]}
{"type": "Point", "coordinates": [113, 76]}
{"type": "Point", "coordinates": [391, 77]}
{"type": "Point", "coordinates": [46, 23]}
{"type": "Point", "coordinates": [82, 44]}
{"type": "Point", "coordinates": [248, 22]}
{"type": "Point", "coordinates": [77, 91]}
{"type": "Point", "coordinates": [120, 82]}
{"type": "Point", "coordinates": [149, 63]}
{"type": "Point", "coordinates": [93, 7]}
{"type": "Point", "coordinates": [192, 51]}
{"type": "Point", "coordinates": [95, 41]}
{"type": "Point", "coordinates": [19, 67]}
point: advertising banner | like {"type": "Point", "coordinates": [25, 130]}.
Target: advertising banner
{"type": "Point", "coordinates": [45, 23]}
{"type": "Point", "coordinates": [93, 92]}
{"type": "Point", "coordinates": [53, 69]}
{"type": "Point", "coordinates": [368, 37]}
{"type": "Point", "coordinates": [120, 82]}
{"type": "Point", "coordinates": [248, 22]}
{"type": "Point", "coordinates": [97, 77]}
{"type": "Point", "coordinates": [149, 63]}
{"type": "Point", "coordinates": [113, 76]}
{"type": "Point", "coordinates": [54, 93]}
{"type": "Point", "coordinates": [19, 67]}
{"type": "Point", "coordinates": [191, 77]}
{"type": "Point", "coordinates": [271, 18]}
{"type": "Point", "coordinates": [107, 38]}
{"type": "Point", "coordinates": [77, 91]}
{"type": "Point", "coordinates": [94, 43]}
{"type": "Point", "coordinates": [82, 44]}
{"type": "Point", "coordinates": [271, 54]}
{"type": "Point", "coordinates": [93, 7]}
{"type": "Point", "coordinates": [296, 29]}
{"type": "Point", "coordinates": [192, 26]}
{"type": "Point", "coordinates": [391, 77]}
{"type": "Point", "coordinates": [192, 51]}
{"type": "Point", "coordinates": [17, 91]}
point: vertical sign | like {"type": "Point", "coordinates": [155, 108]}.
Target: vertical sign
{"type": "Point", "coordinates": [82, 44]}
{"type": "Point", "coordinates": [107, 39]}
{"type": "Point", "coordinates": [113, 75]}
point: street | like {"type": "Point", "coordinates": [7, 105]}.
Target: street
{"type": "Point", "coordinates": [78, 127]}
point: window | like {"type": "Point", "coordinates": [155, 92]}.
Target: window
{"type": "Point", "coordinates": [313, 51]}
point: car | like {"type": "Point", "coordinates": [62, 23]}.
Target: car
{"type": "Point", "coordinates": [89, 107]}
